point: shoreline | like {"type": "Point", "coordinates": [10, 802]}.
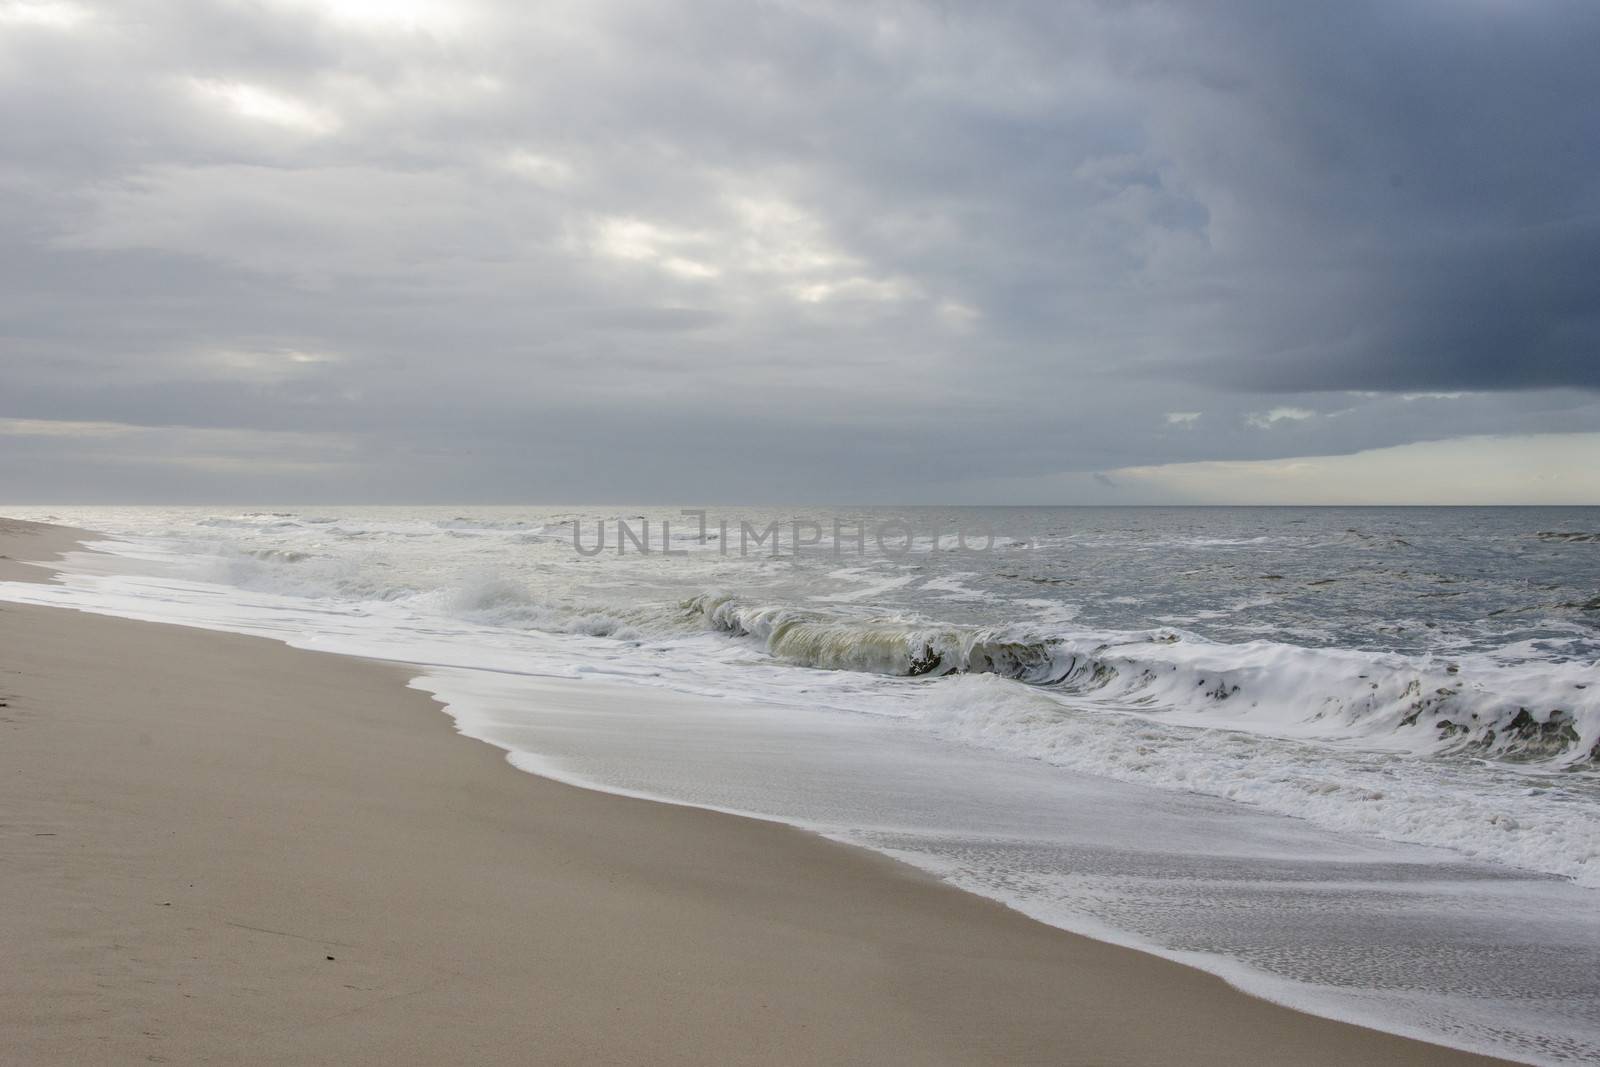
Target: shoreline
{"type": "Point", "coordinates": [200, 819]}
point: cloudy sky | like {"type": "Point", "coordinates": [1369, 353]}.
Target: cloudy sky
{"type": "Point", "coordinates": [463, 250]}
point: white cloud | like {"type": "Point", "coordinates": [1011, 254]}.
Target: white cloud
{"type": "Point", "coordinates": [639, 241]}
{"type": "Point", "coordinates": [879, 290]}
{"type": "Point", "coordinates": [436, 17]}
{"type": "Point", "coordinates": [63, 428]}
{"type": "Point", "coordinates": [1185, 419]}
{"type": "Point", "coordinates": [958, 315]}
{"type": "Point", "coordinates": [777, 236]}
{"type": "Point", "coordinates": [1267, 419]}
{"type": "Point", "coordinates": [538, 167]}
{"type": "Point", "coordinates": [760, 247]}
{"type": "Point", "coordinates": [261, 365]}
{"type": "Point", "coordinates": [261, 104]}
{"type": "Point", "coordinates": [51, 14]}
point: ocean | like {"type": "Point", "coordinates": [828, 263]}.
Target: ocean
{"type": "Point", "coordinates": [1346, 758]}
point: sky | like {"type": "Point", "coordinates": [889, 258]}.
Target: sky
{"type": "Point", "coordinates": [654, 252]}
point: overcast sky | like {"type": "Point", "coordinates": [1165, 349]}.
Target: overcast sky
{"type": "Point", "coordinates": [462, 250]}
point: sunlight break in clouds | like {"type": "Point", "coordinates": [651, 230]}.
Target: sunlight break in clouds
{"type": "Point", "coordinates": [1535, 469]}
{"type": "Point", "coordinates": [265, 105]}
{"type": "Point", "coordinates": [645, 242]}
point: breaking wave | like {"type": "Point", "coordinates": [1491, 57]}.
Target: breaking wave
{"type": "Point", "coordinates": [1537, 712]}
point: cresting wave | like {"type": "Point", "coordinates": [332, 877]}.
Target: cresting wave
{"type": "Point", "coordinates": [1538, 713]}
{"type": "Point", "coordinates": [810, 640]}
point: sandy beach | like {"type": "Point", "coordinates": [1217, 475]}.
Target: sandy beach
{"type": "Point", "coordinates": [221, 849]}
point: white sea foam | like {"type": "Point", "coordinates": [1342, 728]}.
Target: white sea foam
{"type": "Point", "coordinates": [1534, 822]}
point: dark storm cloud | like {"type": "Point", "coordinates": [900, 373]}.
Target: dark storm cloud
{"type": "Point", "coordinates": [1425, 176]}
{"type": "Point", "coordinates": [789, 250]}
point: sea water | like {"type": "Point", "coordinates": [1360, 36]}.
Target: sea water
{"type": "Point", "coordinates": [1348, 759]}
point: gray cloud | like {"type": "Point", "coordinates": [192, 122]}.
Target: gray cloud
{"type": "Point", "coordinates": [814, 251]}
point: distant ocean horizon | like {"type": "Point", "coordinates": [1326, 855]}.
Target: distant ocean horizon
{"type": "Point", "coordinates": [1346, 756]}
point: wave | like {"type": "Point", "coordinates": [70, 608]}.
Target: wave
{"type": "Point", "coordinates": [811, 640]}
{"type": "Point", "coordinates": [1530, 712]}
{"type": "Point", "coordinates": [489, 598]}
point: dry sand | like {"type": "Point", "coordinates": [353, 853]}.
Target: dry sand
{"type": "Point", "coordinates": [220, 849]}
